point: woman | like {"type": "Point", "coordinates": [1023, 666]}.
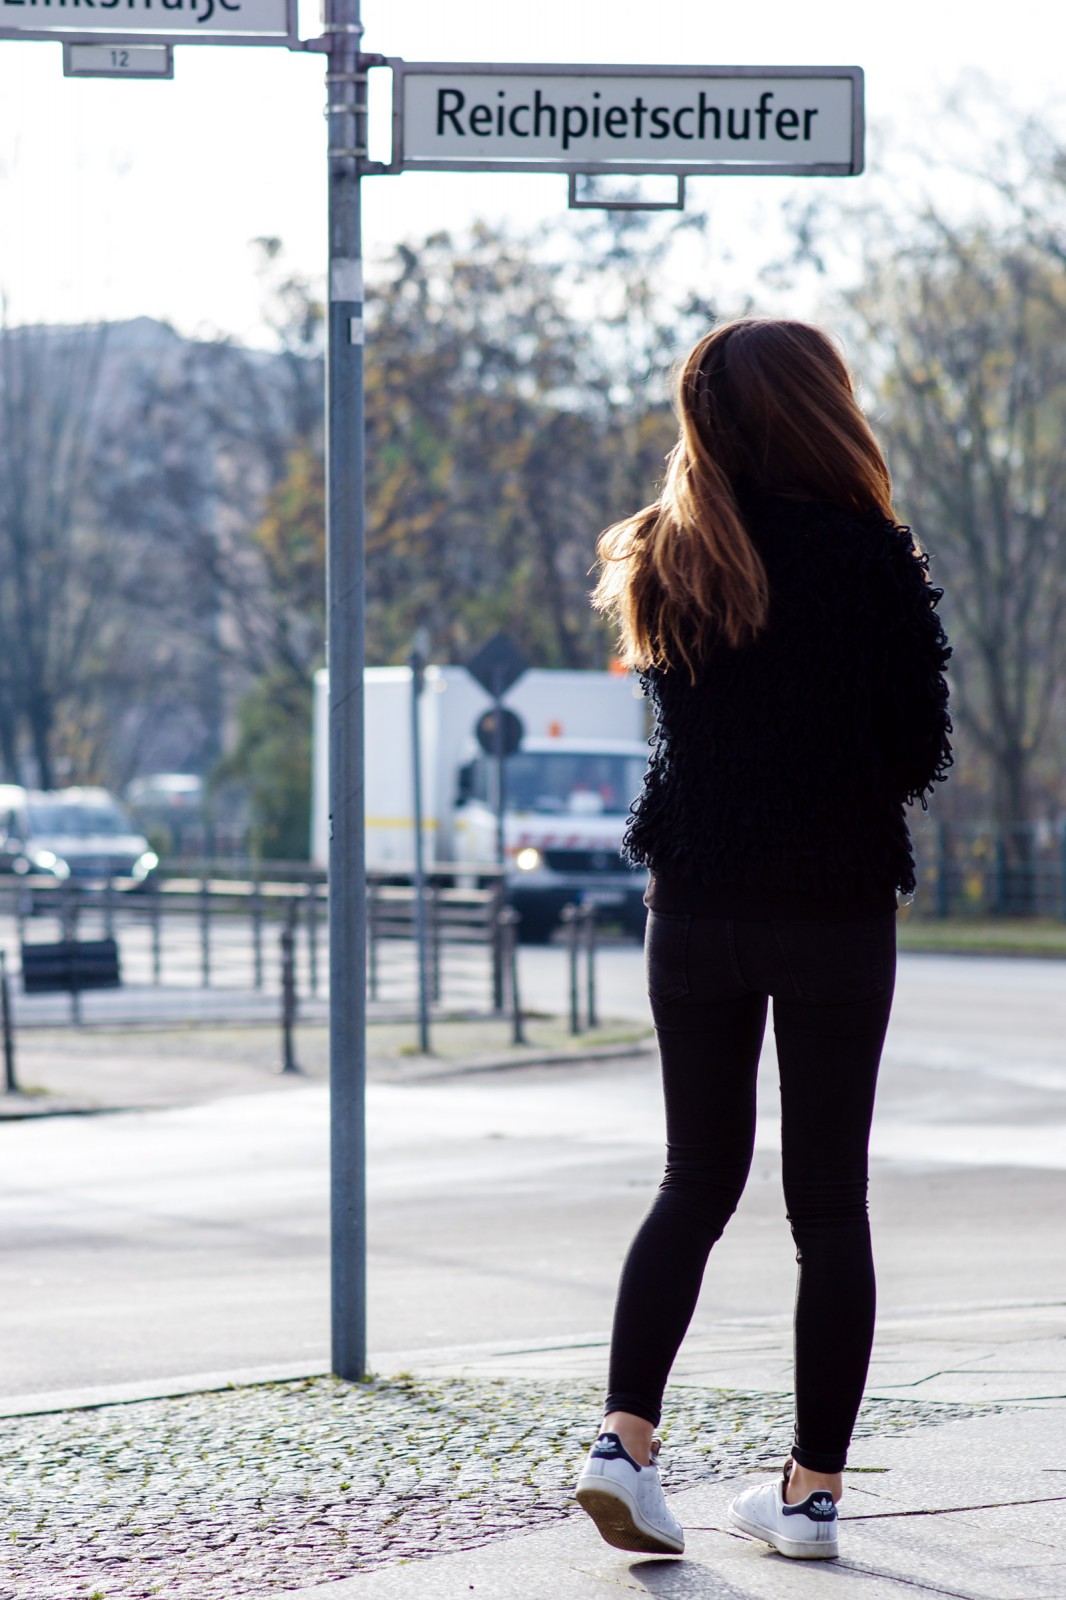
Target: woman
{"type": "Point", "coordinates": [786, 632]}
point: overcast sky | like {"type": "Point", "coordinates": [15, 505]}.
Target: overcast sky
{"type": "Point", "coordinates": [120, 199]}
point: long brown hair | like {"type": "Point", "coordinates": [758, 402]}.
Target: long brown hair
{"type": "Point", "coordinates": [762, 405]}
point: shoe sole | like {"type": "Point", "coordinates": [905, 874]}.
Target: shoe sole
{"type": "Point", "coordinates": [795, 1549]}
{"type": "Point", "coordinates": [619, 1523]}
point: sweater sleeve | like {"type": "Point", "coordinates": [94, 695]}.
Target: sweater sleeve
{"type": "Point", "coordinates": [912, 724]}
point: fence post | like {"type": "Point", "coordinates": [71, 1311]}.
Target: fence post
{"type": "Point", "coordinates": [569, 917]}
{"type": "Point", "coordinates": [288, 989]}
{"type": "Point", "coordinates": [157, 930]}
{"type": "Point", "coordinates": [433, 908]}
{"type": "Point", "coordinates": [591, 1019]}
{"type": "Point", "coordinates": [509, 928]}
{"type": "Point", "coordinates": [205, 932]}
{"type": "Point", "coordinates": [499, 906]}
{"type": "Point", "coordinates": [312, 935]}
{"type": "Point", "coordinates": [999, 893]}
{"type": "Point", "coordinates": [943, 895]}
{"type": "Point", "coordinates": [69, 914]}
{"type": "Point", "coordinates": [257, 930]}
{"type": "Point", "coordinates": [372, 938]}
{"type": "Point", "coordinates": [10, 1080]}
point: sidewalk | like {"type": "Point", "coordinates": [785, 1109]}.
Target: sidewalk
{"type": "Point", "coordinates": [456, 1479]}
{"type": "Point", "coordinates": [71, 1071]}
{"type": "Point", "coordinates": [448, 1476]}
{"type": "Point", "coordinates": [915, 1522]}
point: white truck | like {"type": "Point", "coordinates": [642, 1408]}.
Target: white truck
{"type": "Point", "coordinates": [567, 788]}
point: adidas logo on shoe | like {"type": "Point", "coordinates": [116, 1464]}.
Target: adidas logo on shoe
{"type": "Point", "coordinates": [818, 1506]}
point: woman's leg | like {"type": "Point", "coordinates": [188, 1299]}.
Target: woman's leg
{"type": "Point", "coordinates": [710, 1029]}
{"type": "Point", "coordinates": [830, 1031]}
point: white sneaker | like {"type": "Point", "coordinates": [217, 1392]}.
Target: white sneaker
{"type": "Point", "coordinates": [626, 1501]}
{"type": "Point", "coordinates": [807, 1531]}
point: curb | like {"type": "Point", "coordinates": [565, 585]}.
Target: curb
{"type": "Point", "coordinates": [415, 1069]}
{"type": "Point", "coordinates": [423, 1068]}
{"type": "Point", "coordinates": [128, 1394]}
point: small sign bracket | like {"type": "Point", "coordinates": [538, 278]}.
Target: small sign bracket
{"type": "Point", "coordinates": [578, 201]}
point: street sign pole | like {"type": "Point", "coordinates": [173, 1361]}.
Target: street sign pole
{"type": "Point", "coordinates": [345, 589]}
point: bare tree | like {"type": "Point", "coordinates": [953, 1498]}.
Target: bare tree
{"type": "Point", "coordinates": [968, 332]}
{"type": "Point", "coordinates": [56, 578]}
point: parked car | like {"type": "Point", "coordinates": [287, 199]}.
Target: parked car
{"type": "Point", "coordinates": [169, 806]}
{"type": "Point", "coordinates": [80, 834]}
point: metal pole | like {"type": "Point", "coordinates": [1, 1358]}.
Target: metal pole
{"type": "Point", "coordinates": [509, 918]}
{"type": "Point", "coordinates": [345, 605]}
{"type": "Point", "coordinates": [257, 930]}
{"type": "Point", "coordinates": [10, 1080]}
{"type": "Point", "coordinates": [591, 1018]}
{"type": "Point", "coordinates": [156, 904]}
{"type": "Point", "coordinates": [205, 933]}
{"type": "Point", "coordinates": [569, 916]}
{"type": "Point", "coordinates": [417, 662]}
{"type": "Point", "coordinates": [312, 935]}
{"type": "Point", "coordinates": [500, 758]}
{"type": "Point", "coordinates": [288, 989]}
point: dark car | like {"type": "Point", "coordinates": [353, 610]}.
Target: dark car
{"type": "Point", "coordinates": [81, 835]}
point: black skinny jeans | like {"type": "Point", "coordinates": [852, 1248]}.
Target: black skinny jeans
{"type": "Point", "coordinates": [710, 979]}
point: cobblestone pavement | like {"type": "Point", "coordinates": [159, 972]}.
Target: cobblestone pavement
{"type": "Point", "coordinates": [279, 1486]}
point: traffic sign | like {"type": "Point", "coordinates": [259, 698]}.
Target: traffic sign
{"type": "Point", "coordinates": [497, 665]}
{"type": "Point", "coordinates": [744, 121]}
{"type": "Point", "coordinates": [144, 21]}
{"type": "Point", "coordinates": [500, 731]}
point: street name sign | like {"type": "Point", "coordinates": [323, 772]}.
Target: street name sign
{"type": "Point", "coordinates": [743, 121]}
{"type": "Point", "coordinates": [174, 21]}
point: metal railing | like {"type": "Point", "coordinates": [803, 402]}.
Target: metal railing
{"type": "Point", "coordinates": [219, 932]}
{"type": "Point", "coordinates": [975, 869]}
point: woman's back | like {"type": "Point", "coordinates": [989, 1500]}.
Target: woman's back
{"type": "Point", "coordinates": [781, 771]}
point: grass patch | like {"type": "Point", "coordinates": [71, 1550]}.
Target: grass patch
{"type": "Point", "coordinates": [989, 936]}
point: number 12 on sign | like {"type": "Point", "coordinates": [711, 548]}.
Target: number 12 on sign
{"type": "Point", "coordinates": [117, 60]}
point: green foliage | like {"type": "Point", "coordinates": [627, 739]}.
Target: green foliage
{"type": "Point", "coordinates": [272, 758]}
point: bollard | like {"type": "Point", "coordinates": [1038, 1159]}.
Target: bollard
{"type": "Point", "coordinates": [257, 932]}
{"type": "Point", "coordinates": [372, 940]}
{"type": "Point", "coordinates": [943, 887]}
{"type": "Point", "coordinates": [312, 936]}
{"type": "Point", "coordinates": [109, 907]}
{"type": "Point", "coordinates": [591, 1019]}
{"type": "Point", "coordinates": [433, 909]}
{"type": "Point", "coordinates": [288, 989]}
{"type": "Point", "coordinates": [69, 916]}
{"type": "Point", "coordinates": [498, 942]}
{"type": "Point", "coordinates": [156, 903]}
{"type": "Point", "coordinates": [569, 916]}
{"type": "Point", "coordinates": [509, 931]}
{"type": "Point", "coordinates": [10, 1080]}
{"type": "Point", "coordinates": [205, 933]}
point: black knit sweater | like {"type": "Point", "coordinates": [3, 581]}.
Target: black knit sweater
{"type": "Point", "coordinates": [779, 779]}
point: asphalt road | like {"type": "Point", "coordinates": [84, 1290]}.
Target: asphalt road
{"type": "Point", "coordinates": [159, 1244]}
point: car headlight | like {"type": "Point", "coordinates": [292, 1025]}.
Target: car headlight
{"type": "Point", "coordinates": [528, 860]}
{"type": "Point", "coordinates": [144, 865]}
{"type": "Point", "coordinates": [46, 861]}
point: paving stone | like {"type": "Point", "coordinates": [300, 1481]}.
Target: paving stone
{"type": "Point", "coordinates": [254, 1491]}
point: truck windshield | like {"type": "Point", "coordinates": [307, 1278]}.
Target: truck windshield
{"type": "Point", "coordinates": [574, 782]}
